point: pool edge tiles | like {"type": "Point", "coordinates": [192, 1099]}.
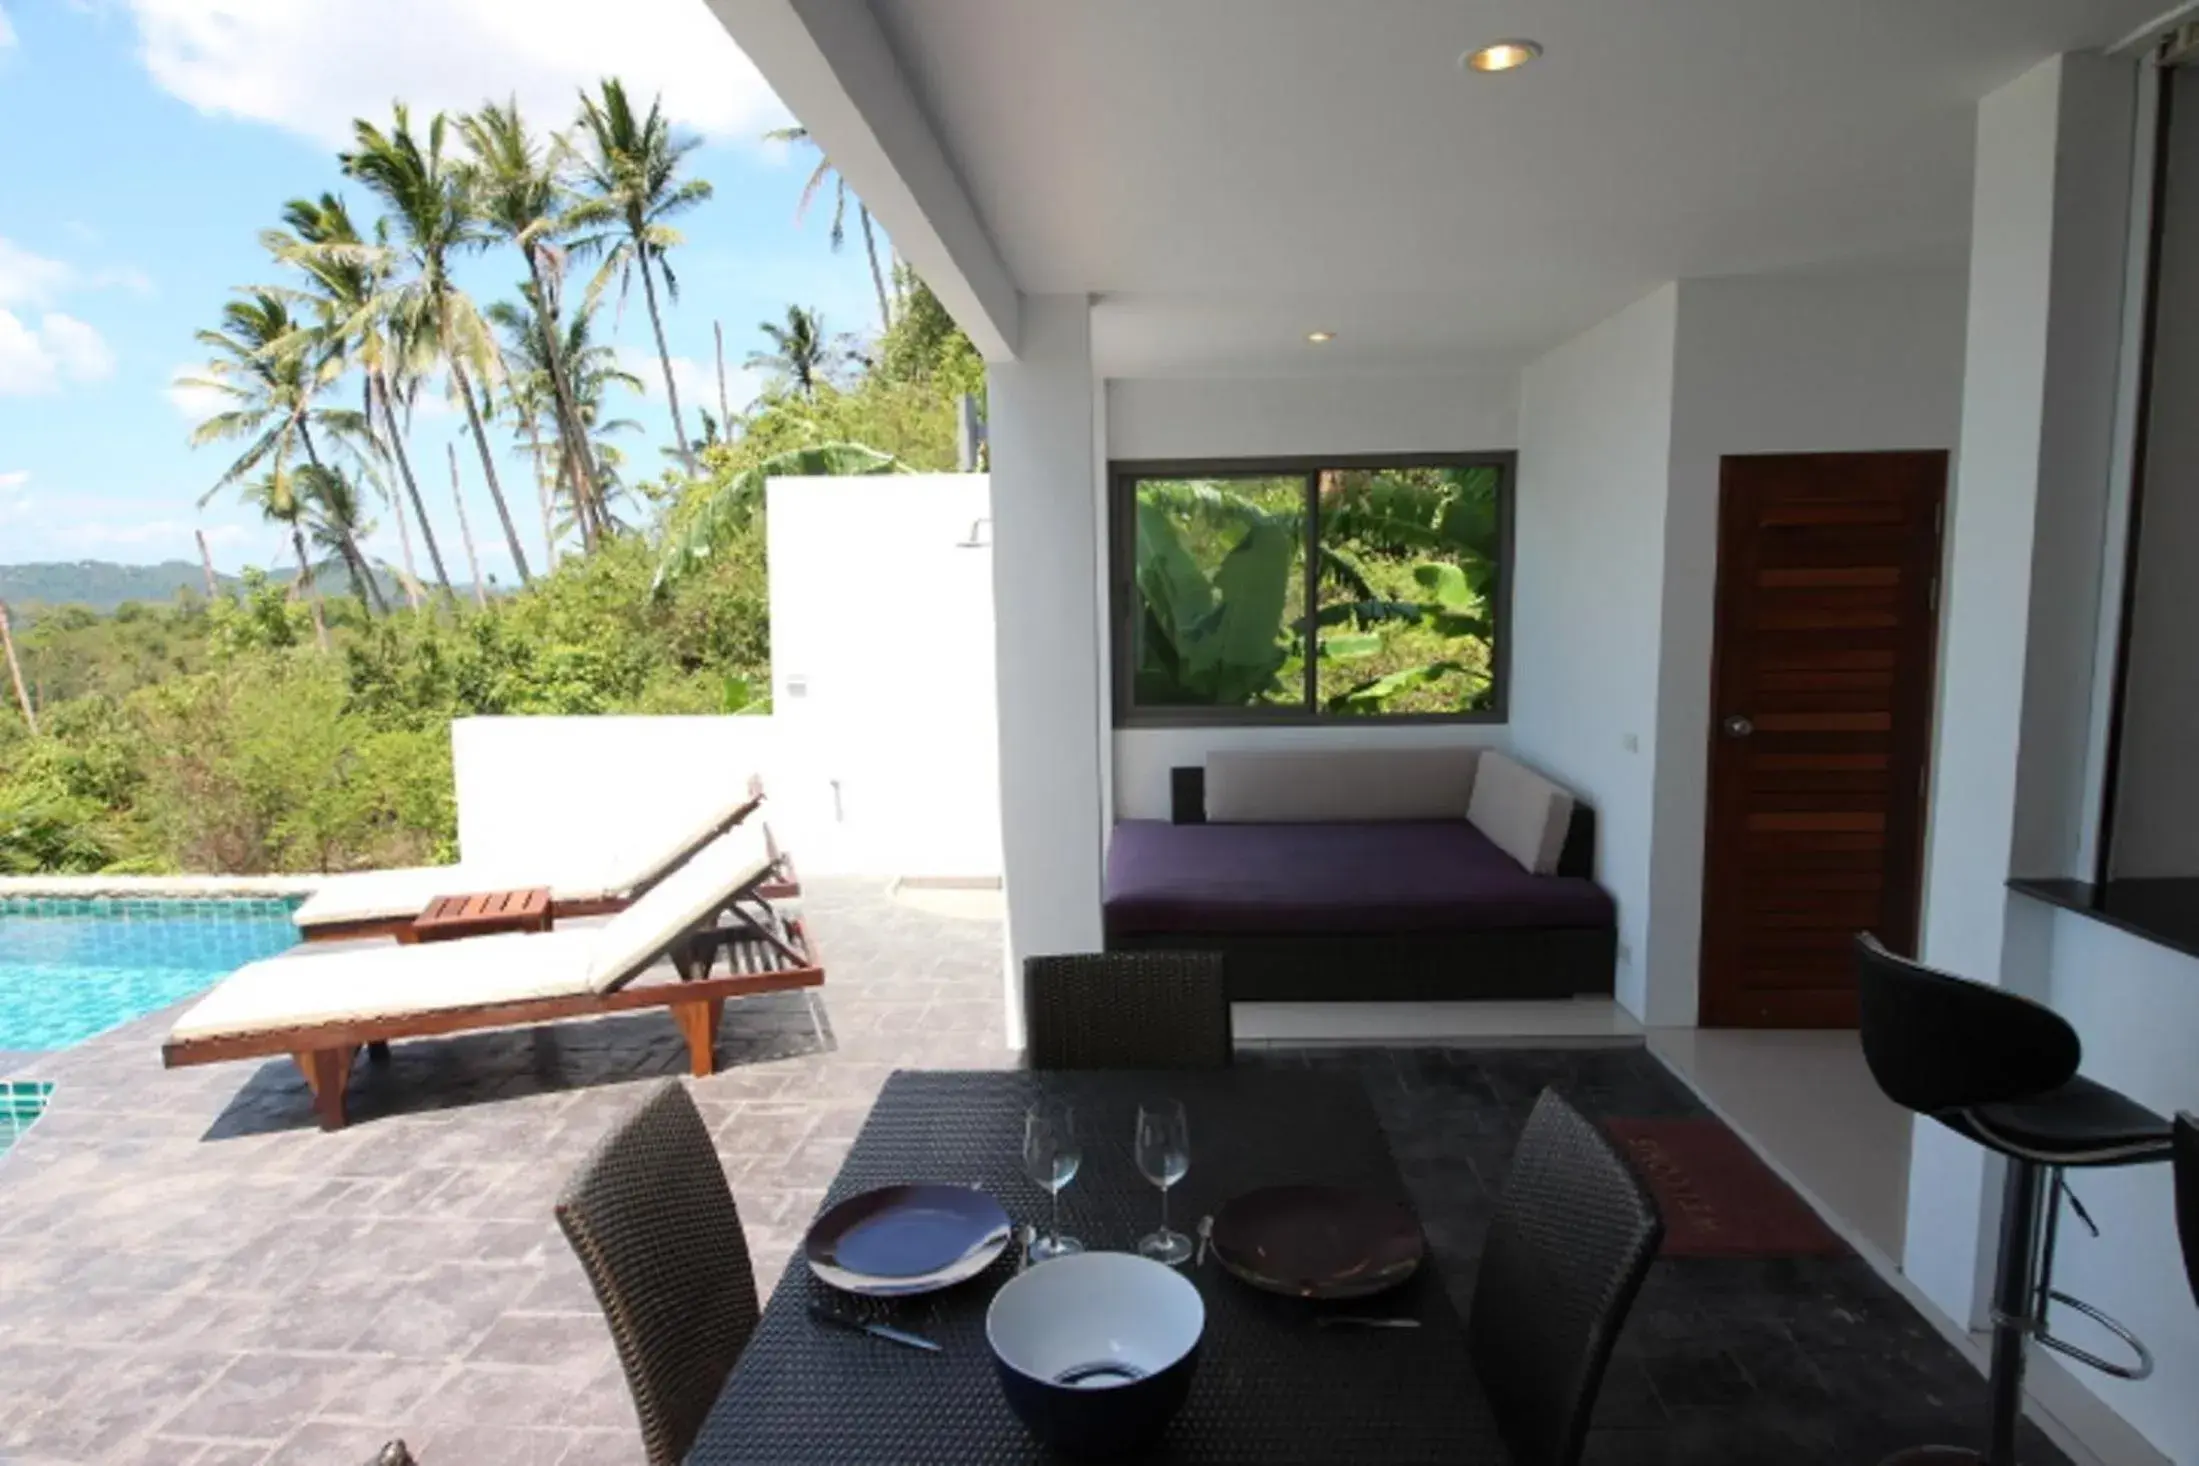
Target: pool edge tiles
{"type": "Point", "coordinates": [22, 1101]}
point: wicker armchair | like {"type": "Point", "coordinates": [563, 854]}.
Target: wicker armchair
{"type": "Point", "coordinates": [1127, 1010]}
{"type": "Point", "coordinates": [653, 1220]}
{"type": "Point", "coordinates": [1573, 1234]}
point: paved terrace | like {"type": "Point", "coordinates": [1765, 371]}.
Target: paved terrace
{"type": "Point", "coordinates": [192, 1275]}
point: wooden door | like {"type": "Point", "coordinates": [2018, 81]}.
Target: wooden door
{"type": "Point", "coordinates": [1821, 699]}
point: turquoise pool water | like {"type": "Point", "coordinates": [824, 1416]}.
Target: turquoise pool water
{"type": "Point", "coordinates": [21, 1101]}
{"type": "Point", "coordinates": [70, 969]}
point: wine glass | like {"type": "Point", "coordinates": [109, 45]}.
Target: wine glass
{"type": "Point", "coordinates": [1050, 1158]}
{"type": "Point", "coordinates": [1164, 1155]}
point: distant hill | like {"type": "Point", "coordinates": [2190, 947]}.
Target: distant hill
{"type": "Point", "coordinates": [102, 585]}
{"type": "Point", "coordinates": [98, 584]}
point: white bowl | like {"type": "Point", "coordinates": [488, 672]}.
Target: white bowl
{"type": "Point", "coordinates": [1096, 1350]}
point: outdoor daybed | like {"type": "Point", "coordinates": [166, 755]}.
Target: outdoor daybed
{"type": "Point", "coordinates": [322, 1008]}
{"type": "Point", "coordinates": [1412, 874]}
{"type": "Point", "coordinates": [381, 903]}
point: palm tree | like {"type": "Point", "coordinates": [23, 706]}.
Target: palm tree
{"type": "Point", "coordinates": [333, 521]}
{"type": "Point", "coordinates": [802, 353]}
{"type": "Point", "coordinates": [531, 359]}
{"type": "Point", "coordinates": [518, 192]}
{"type": "Point", "coordinates": [839, 232]}
{"type": "Point", "coordinates": [432, 208]}
{"type": "Point", "coordinates": [275, 494]}
{"type": "Point", "coordinates": [588, 370]}
{"type": "Point", "coordinates": [350, 278]}
{"type": "Point", "coordinates": [270, 387]}
{"type": "Point", "coordinates": [631, 169]}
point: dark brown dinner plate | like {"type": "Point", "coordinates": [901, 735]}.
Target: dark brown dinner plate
{"type": "Point", "coordinates": [1318, 1241]}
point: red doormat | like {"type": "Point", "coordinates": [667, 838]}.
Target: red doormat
{"type": "Point", "coordinates": [1718, 1199]}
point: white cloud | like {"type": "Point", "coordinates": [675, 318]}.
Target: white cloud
{"type": "Point", "coordinates": [173, 535]}
{"type": "Point", "coordinates": [13, 480]}
{"type": "Point", "coordinates": [37, 360]}
{"type": "Point", "coordinates": [313, 68]}
{"type": "Point", "coordinates": [31, 279]}
{"type": "Point", "coordinates": [194, 400]}
{"type": "Point", "coordinates": [7, 32]}
{"type": "Point", "coordinates": [687, 373]}
{"type": "Point", "coordinates": [78, 349]}
{"type": "Point", "coordinates": [34, 279]}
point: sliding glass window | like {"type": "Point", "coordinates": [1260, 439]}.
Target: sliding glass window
{"type": "Point", "coordinates": [1311, 591]}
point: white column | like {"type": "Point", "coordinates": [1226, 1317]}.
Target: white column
{"type": "Point", "coordinates": [2025, 539]}
{"type": "Point", "coordinates": [1047, 559]}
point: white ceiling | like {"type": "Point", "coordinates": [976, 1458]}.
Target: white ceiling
{"type": "Point", "coordinates": [1229, 174]}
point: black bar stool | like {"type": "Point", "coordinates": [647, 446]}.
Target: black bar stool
{"type": "Point", "coordinates": [2002, 1070]}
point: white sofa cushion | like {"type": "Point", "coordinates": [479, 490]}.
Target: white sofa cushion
{"type": "Point", "coordinates": [1339, 785]}
{"type": "Point", "coordinates": [1522, 813]}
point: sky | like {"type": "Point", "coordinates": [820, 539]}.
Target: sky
{"type": "Point", "coordinates": [144, 144]}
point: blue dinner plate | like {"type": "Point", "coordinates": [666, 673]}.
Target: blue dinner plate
{"type": "Point", "coordinates": [912, 1238]}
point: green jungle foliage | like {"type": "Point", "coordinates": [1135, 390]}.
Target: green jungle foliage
{"type": "Point", "coordinates": [286, 727]}
{"type": "Point", "coordinates": [1406, 566]}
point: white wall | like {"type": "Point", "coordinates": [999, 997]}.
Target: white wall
{"type": "Point", "coordinates": [1595, 444]}
{"type": "Point", "coordinates": [2157, 819]}
{"type": "Point", "coordinates": [1293, 417]}
{"type": "Point", "coordinates": [1288, 416]}
{"type": "Point", "coordinates": [2137, 1006]}
{"type": "Point", "coordinates": [882, 672]}
{"type": "Point", "coordinates": [1047, 561]}
{"type": "Point", "coordinates": [2025, 533]}
{"type": "Point", "coordinates": [1796, 364]}
{"type": "Point", "coordinates": [533, 788]}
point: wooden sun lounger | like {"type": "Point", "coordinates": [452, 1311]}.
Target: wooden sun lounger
{"type": "Point", "coordinates": [763, 951]}
{"type": "Point", "coordinates": [399, 924]}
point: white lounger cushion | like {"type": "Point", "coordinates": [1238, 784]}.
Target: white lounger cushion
{"type": "Point", "coordinates": [301, 989]}
{"type": "Point", "coordinates": [611, 874]}
{"type": "Point", "coordinates": [678, 904]}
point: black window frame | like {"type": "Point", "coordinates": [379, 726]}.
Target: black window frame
{"type": "Point", "coordinates": [1123, 476]}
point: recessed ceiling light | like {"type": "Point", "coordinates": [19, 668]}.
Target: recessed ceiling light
{"type": "Point", "coordinates": [1320, 338]}
{"type": "Point", "coordinates": [1501, 56]}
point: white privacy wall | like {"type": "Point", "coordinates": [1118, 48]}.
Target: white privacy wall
{"type": "Point", "coordinates": [882, 671]}
{"type": "Point", "coordinates": [1595, 440]}
{"type": "Point", "coordinates": [542, 789]}
{"type": "Point", "coordinates": [1203, 418]}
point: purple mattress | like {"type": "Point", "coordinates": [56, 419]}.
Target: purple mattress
{"type": "Point", "coordinates": [1422, 876]}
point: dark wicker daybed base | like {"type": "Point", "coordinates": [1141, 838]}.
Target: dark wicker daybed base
{"type": "Point", "coordinates": [1321, 967]}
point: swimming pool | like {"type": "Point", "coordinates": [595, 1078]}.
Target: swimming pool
{"type": "Point", "coordinates": [73, 968]}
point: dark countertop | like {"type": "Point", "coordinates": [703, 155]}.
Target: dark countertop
{"type": "Point", "coordinates": [2164, 910]}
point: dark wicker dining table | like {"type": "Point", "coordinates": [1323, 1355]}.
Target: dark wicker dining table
{"type": "Point", "coordinates": [1271, 1384]}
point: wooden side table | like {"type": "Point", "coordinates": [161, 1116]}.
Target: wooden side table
{"type": "Point", "coordinates": [481, 914]}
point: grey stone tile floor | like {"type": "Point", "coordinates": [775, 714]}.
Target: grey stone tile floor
{"type": "Point", "coordinates": [191, 1274]}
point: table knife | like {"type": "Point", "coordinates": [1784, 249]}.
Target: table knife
{"type": "Point", "coordinates": [884, 1331]}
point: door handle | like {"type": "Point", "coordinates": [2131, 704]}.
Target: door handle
{"type": "Point", "coordinates": [1738, 726]}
